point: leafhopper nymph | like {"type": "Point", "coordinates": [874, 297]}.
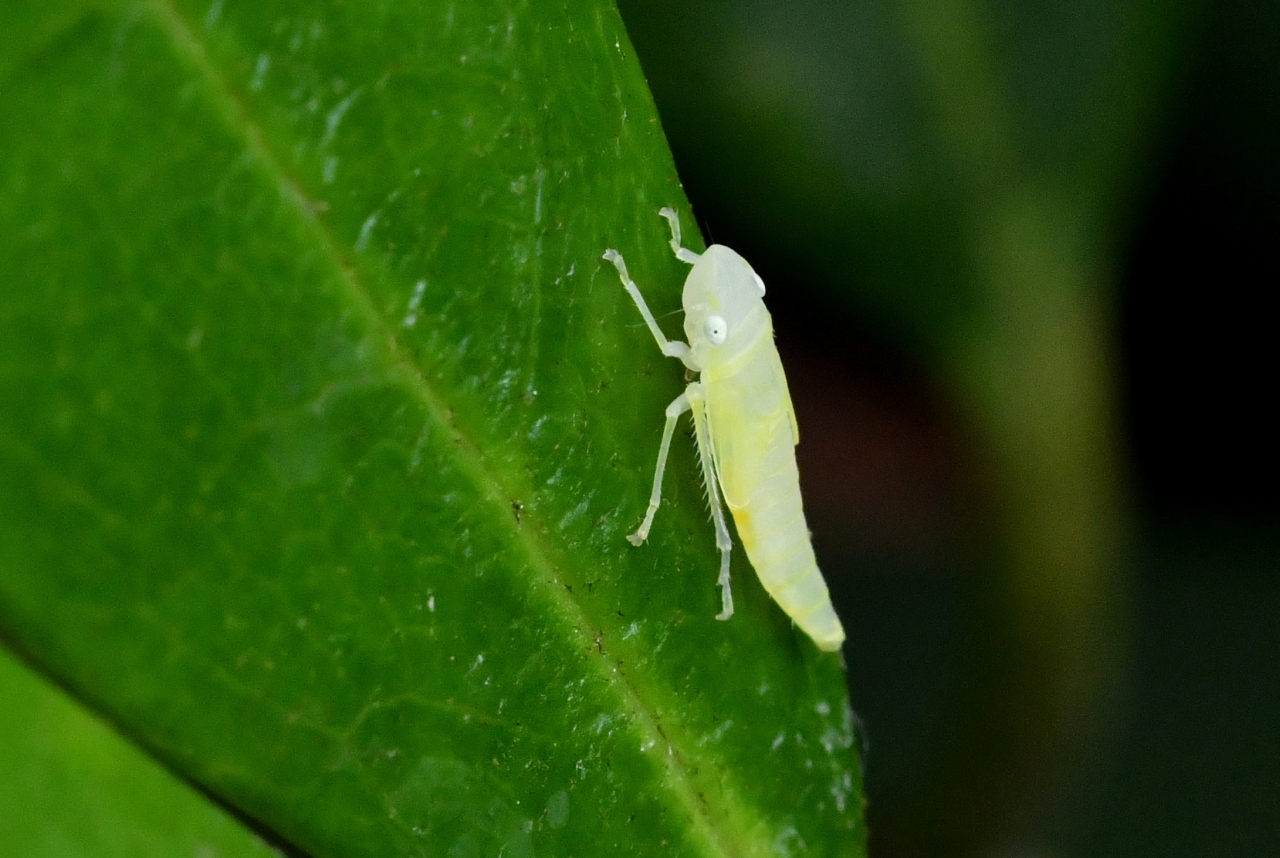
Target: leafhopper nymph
{"type": "Point", "coordinates": [745, 429]}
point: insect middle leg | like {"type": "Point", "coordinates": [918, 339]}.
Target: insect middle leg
{"type": "Point", "coordinates": [697, 397]}
{"type": "Point", "coordinates": [670, 348]}
{"type": "Point", "coordinates": [678, 406]}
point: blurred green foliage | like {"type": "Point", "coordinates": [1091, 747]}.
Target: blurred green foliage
{"type": "Point", "coordinates": [72, 786]}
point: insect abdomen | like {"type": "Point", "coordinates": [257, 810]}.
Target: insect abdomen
{"type": "Point", "coordinates": [776, 537]}
{"type": "Point", "coordinates": [755, 446]}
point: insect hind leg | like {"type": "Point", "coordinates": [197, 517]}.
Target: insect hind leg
{"type": "Point", "coordinates": [678, 406]}
{"type": "Point", "coordinates": [702, 432]}
{"type": "Point", "coordinates": [684, 254]}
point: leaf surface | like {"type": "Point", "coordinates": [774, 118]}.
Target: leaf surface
{"type": "Point", "coordinates": [326, 423]}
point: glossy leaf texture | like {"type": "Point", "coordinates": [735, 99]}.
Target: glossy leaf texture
{"type": "Point", "coordinates": [324, 423]}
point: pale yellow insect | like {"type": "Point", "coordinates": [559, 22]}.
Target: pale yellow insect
{"type": "Point", "coordinates": [745, 429]}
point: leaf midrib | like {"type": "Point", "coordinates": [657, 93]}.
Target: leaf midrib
{"type": "Point", "coordinates": [545, 577]}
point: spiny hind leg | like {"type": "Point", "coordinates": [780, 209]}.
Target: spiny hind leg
{"type": "Point", "coordinates": [696, 395]}
{"type": "Point", "coordinates": [684, 254]}
{"type": "Point", "coordinates": [678, 406]}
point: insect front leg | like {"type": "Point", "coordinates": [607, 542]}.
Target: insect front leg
{"type": "Point", "coordinates": [697, 397]}
{"type": "Point", "coordinates": [670, 348]}
{"type": "Point", "coordinates": [678, 406]}
{"type": "Point", "coordinates": [684, 254]}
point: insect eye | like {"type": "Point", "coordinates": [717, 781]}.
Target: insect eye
{"type": "Point", "coordinates": [717, 329]}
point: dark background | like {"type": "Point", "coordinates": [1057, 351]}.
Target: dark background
{"type": "Point", "coordinates": [805, 142]}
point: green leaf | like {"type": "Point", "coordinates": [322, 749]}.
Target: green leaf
{"type": "Point", "coordinates": [72, 787]}
{"type": "Point", "coordinates": [324, 423]}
